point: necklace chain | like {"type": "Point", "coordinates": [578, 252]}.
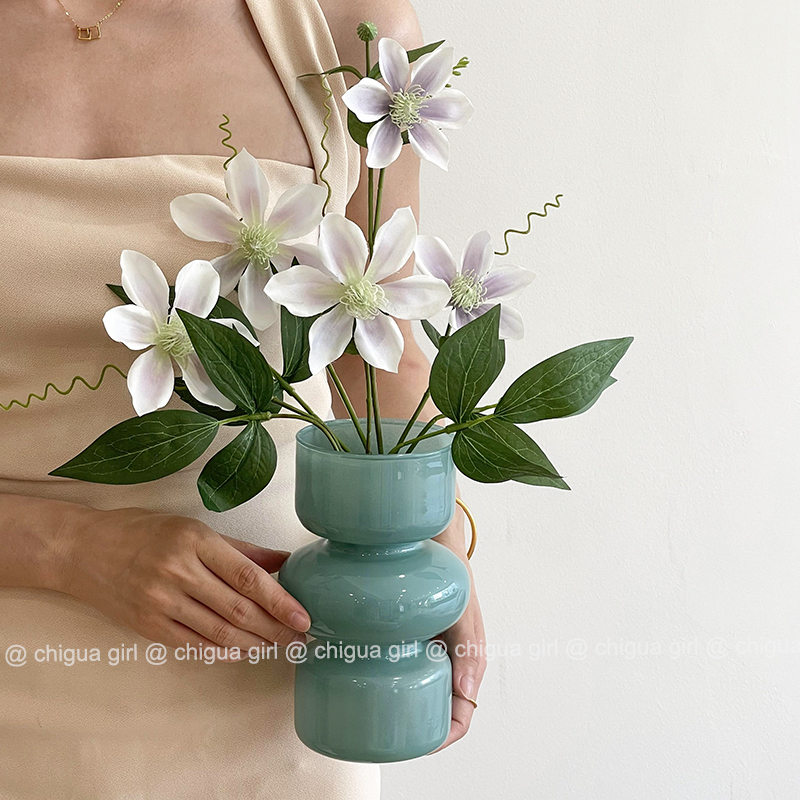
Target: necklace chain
{"type": "Point", "coordinates": [88, 30]}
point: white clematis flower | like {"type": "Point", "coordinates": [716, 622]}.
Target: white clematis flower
{"type": "Point", "coordinates": [351, 286]}
{"type": "Point", "coordinates": [417, 101]}
{"type": "Point", "coordinates": [475, 286]}
{"type": "Point", "coordinates": [256, 241]}
{"type": "Point", "coordinates": [149, 322]}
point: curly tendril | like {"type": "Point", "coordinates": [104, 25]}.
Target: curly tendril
{"type": "Point", "coordinates": [223, 126]}
{"type": "Point", "coordinates": [76, 380]}
{"type": "Point", "coordinates": [542, 214]}
{"type": "Point", "coordinates": [328, 112]}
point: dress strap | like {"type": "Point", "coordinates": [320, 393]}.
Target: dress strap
{"type": "Point", "coordinates": [299, 41]}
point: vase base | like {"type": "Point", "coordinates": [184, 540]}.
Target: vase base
{"type": "Point", "coordinates": [353, 704]}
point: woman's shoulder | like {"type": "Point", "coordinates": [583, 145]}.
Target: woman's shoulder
{"type": "Point", "coordinates": [393, 18]}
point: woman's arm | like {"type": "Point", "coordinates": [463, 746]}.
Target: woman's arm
{"type": "Point", "coordinates": [400, 393]}
{"type": "Point", "coordinates": [169, 578]}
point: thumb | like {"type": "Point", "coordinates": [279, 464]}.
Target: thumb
{"type": "Point", "coordinates": [269, 560]}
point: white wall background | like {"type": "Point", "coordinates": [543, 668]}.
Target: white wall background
{"type": "Point", "coordinates": [672, 129]}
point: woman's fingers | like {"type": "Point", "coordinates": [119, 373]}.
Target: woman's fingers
{"type": "Point", "coordinates": [461, 718]}
{"type": "Point", "coordinates": [214, 628]}
{"type": "Point", "coordinates": [174, 634]}
{"type": "Point", "coordinates": [269, 560]}
{"type": "Point", "coordinates": [239, 611]}
{"type": "Point", "coordinates": [253, 582]}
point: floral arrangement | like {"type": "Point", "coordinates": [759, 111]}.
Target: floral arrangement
{"type": "Point", "coordinates": [334, 297]}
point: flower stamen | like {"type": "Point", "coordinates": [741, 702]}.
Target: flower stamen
{"type": "Point", "coordinates": [173, 339]}
{"type": "Point", "coordinates": [363, 299]}
{"type": "Point", "coordinates": [467, 292]}
{"type": "Point", "coordinates": [259, 244]}
{"type": "Point", "coordinates": [405, 107]}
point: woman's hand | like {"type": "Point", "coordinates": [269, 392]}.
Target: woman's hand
{"type": "Point", "coordinates": [176, 581]}
{"type": "Point", "coordinates": [466, 645]}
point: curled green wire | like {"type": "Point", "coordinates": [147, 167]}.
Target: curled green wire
{"type": "Point", "coordinates": [328, 112]}
{"type": "Point", "coordinates": [223, 126]}
{"type": "Point", "coordinates": [76, 380]}
{"type": "Point", "coordinates": [542, 214]}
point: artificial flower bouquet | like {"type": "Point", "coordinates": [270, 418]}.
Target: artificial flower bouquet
{"type": "Point", "coordinates": [328, 299]}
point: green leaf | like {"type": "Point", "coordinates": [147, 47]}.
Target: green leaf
{"type": "Point", "coordinates": [225, 309]}
{"type": "Point", "coordinates": [143, 449]}
{"type": "Point", "coordinates": [120, 293]}
{"type": "Point", "coordinates": [236, 367]}
{"type": "Point", "coordinates": [239, 471]}
{"type": "Point", "coordinates": [563, 385]}
{"type": "Point", "coordinates": [468, 363]}
{"type": "Point", "coordinates": [494, 451]}
{"type": "Point", "coordinates": [358, 130]}
{"type": "Point", "coordinates": [413, 55]}
{"type": "Point", "coordinates": [294, 342]}
{"type": "Point", "coordinates": [210, 411]}
{"type": "Point", "coordinates": [432, 333]}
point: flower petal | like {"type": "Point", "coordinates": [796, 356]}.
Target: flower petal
{"type": "Point", "coordinates": [297, 212]}
{"type": "Point", "coordinates": [197, 288]}
{"type": "Point", "coordinates": [145, 283]}
{"type": "Point", "coordinates": [247, 187]}
{"type": "Point", "coordinates": [459, 318]}
{"type": "Point", "coordinates": [304, 291]}
{"type": "Point", "coordinates": [433, 257]}
{"type": "Point", "coordinates": [384, 143]}
{"type": "Point", "coordinates": [507, 281]}
{"type": "Point", "coordinates": [511, 324]}
{"type": "Point", "coordinates": [308, 254]}
{"type": "Point", "coordinates": [368, 100]}
{"type": "Point", "coordinates": [379, 342]}
{"type": "Point", "coordinates": [131, 325]}
{"type": "Point", "coordinates": [393, 61]}
{"type": "Point", "coordinates": [428, 142]}
{"type": "Point", "coordinates": [433, 70]}
{"type": "Point", "coordinates": [417, 297]}
{"type": "Point", "coordinates": [203, 217]}
{"type": "Point", "coordinates": [230, 268]}
{"type": "Point", "coordinates": [239, 327]}
{"type": "Point", "coordinates": [394, 244]}
{"type": "Point", "coordinates": [199, 384]}
{"type": "Point", "coordinates": [478, 256]}
{"type": "Point", "coordinates": [257, 307]}
{"type": "Point", "coordinates": [343, 247]}
{"type": "Point", "coordinates": [328, 338]}
{"type": "Point", "coordinates": [450, 109]}
{"type": "Point", "coordinates": [151, 381]}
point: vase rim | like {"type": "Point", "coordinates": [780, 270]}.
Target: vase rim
{"type": "Point", "coordinates": [303, 439]}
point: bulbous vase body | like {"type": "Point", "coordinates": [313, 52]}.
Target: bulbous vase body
{"type": "Point", "coordinates": [373, 687]}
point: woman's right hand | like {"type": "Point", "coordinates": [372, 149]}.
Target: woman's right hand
{"type": "Point", "coordinates": [176, 581]}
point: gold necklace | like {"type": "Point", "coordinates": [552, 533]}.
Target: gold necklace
{"type": "Point", "coordinates": [93, 31]}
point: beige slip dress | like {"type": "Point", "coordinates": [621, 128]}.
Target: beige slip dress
{"type": "Point", "coordinates": [93, 731]}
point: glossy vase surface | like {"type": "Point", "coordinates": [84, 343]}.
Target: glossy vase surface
{"type": "Point", "coordinates": [372, 687]}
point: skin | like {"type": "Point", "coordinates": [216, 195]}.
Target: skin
{"type": "Point", "coordinates": [135, 93]}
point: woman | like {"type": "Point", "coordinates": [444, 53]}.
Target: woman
{"type": "Point", "coordinates": [83, 176]}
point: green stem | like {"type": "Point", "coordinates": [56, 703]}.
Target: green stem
{"type": "Point", "coordinates": [369, 66]}
{"type": "Point", "coordinates": [449, 429]}
{"type": "Point", "coordinates": [421, 406]}
{"type": "Point", "coordinates": [376, 407]}
{"type": "Point", "coordinates": [266, 415]}
{"type": "Point", "coordinates": [371, 204]}
{"type": "Point", "coordinates": [428, 426]}
{"type": "Point", "coordinates": [376, 221]}
{"type": "Point", "coordinates": [347, 404]}
{"type": "Point", "coordinates": [414, 417]}
{"type": "Point", "coordinates": [368, 389]}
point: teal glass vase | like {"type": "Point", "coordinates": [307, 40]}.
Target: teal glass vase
{"type": "Point", "coordinates": [372, 686]}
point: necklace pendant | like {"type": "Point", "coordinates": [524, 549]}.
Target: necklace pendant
{"type": "Point", "coordinates": [89, 34]}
